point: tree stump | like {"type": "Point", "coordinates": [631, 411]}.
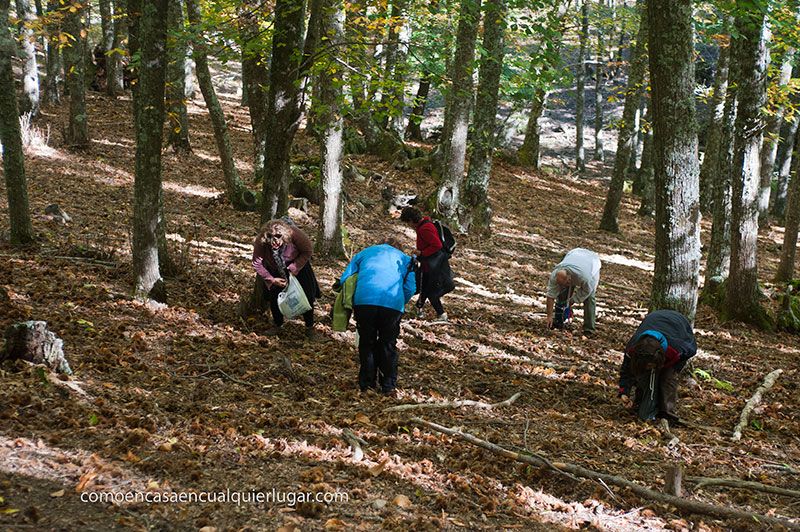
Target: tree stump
{"type": "Point", "coordinates": [32, 341]}
{"type": "Point", "coordinates": [674, 480]}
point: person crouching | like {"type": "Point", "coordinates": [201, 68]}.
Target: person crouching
{"type": "Point", "coordinates": [654, 358]}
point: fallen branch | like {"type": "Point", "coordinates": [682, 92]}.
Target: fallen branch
{"type": "Point", "coordinates": [454, 404]}
{"type": "Point", "coordinates": [690, 506]}
{"type": "Point", "coordinates": [744, 484]}
{"type": "Point", "coordinates": [769, 381]}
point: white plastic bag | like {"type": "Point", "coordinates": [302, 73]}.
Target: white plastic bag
{"type": "Point", "coordinates": [292, 301]}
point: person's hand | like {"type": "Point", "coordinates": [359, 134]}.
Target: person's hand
{"type": "Point", "coordinates": [549, 322]}
{"type": "Point", "coordinates": [627, 402]}
{"type": "Point", "coordinates": [416, 252]}
{"type": "Point", "coordinates": [280, 283]}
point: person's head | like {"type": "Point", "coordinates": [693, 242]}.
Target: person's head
{"type": "Point", "coordinates": [275, 233]}
{"type": "Point", "coordinates": [563, 278]}
{"type": "Point", "coordinates": [648, 355]}
{"type": "Point", "coordinates": [411, 216]}
{"type": "Point", "coordinates": [392, 241]}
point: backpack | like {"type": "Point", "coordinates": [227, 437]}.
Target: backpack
{"type": "Point", "coordinates": [446, 236]}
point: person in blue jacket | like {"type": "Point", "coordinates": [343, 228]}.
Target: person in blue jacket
{"type": "Point", "coordinates": [386, 282]}
{"type": "Point", "coordinates": [654, 358]}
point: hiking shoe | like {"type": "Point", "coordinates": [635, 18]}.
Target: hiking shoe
{"type": "Point", "coordinates": [311, 334]}
{"type": "Point", "coordinates": [441, 318]}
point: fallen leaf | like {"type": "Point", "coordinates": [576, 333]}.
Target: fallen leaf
{"type": "Point", "coordinates": [59, 493]}
{"type": "Point", "coordinates": [208, 529]}
{"type": "Point", "coordinates": [378, 468]}
{"type": "Point", "coordinates": [361, 418]}
{"type": "Point", "coordinates": [335, 524]}
{"type": "Point", "coordinates": [85, 479]}
{"type": "Point", "coordinates": [402, 501]}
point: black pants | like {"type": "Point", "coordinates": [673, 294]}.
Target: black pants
{"type": "Point", "coordinates": [436, 303]}
{"type": "Point", "coordinates": [378, 329]}
{"type": "Point", "coordinates": [656, 394]}
{"type": "Point", "coordinates": [308, 281]}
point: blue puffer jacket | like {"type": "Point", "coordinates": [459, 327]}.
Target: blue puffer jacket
{"type": "Point", "coordinates": [384, 277]}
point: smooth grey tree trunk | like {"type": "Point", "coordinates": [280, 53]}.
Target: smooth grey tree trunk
{"type": "Point", "coordinates": [114, 68]}
{"type": "Point", "coordinates": [77, 133]}
{"type": "Point", "coordinates": [150, 112]}
{"type": "Point", "coordinates": [331, 125]}
{"type": "Point", "coordinates": [413, 129]}
{"type": "Point", "coordinates": [237, 194]}
{"type": "Point", "coordinates": [580, 81]}
{"type": "Point", "coordinates": [30, 70]}
{"type": "Point", "coordinates": [645, 175]}
{"type": "Point", "coordinates": [51, 89]}
{"type": "Point", "coordinates": [714, 147]}
{"type": "Point", "coordinates": [11, 138]}
{"type": "Point", "coordinates": [477, 212]}
{"type": "Point", "coordinates": [393, 86]}
{"type": "Point", "coordinates": [769, 147]}
{"type": "Point", "coordinates": [283, 108]}
{"type": "Point", "coordinates": [529, 153]}
{"type": "Point", "coordinates": [788, 134]}
{"type": "Point", "coordinates": [106, 25]}
{"type": "Point", "coordinates": [255, 75]}
{"type": "Point", "coordinates": [627, 129]}
{"type": "Point", "coordinates": [752, 55]}
{"type": "Point", "coordinates": [459, 103]}
{"type": "Point", "coordinates": [785, 271]}
{"type": "Point", "coordinates": [177, 47]}
{"type": "Point", "coordinates": [677, 257]}
{"type": "Point", "coordinates": [719, 252]}
{"type": "Point", "coordinates": [599, 150]}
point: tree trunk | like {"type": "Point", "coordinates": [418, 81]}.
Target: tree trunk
{"type": "Point", "coordinates": [356, 17]}
{"type": "Point", "coordinates": [751, 53]}
{"type": "Point", "coordinates": [30, 71]}
{"type": "Point", "coordinates": [178, 125]}
{"type": "Point", "coordinates": [331, 124]}
{"type": "Point", "coordinates": [134, 11]}
{"type": "Point", "coordinates": [528, 154]}
{"type": "Point", "coordinates": [413, 130]}
{"type": "Point", "coordinates": [238, 195]}
{"type": "Point", "coordinates": [255, 76]}
{"type": "Point", "coordinates": [719, 253]}
{"type": "Point", "coordinates": [114, 64]}
{"type": "Point", "coordinates": [150, 112]}
{"type": "Point", "coordinates": [788, 134]}
{"type": "Point", "coordinates": [477, 212]}
{"type": "Point", "coordinates": [786, 266]}
{"type": "Point", "coordinates": [51, 89]}
{"type": "Point", "coordinates": [459, 96]}
{"type": "Point", "coordinates": [393, 86]}
{"type": "Point", "coordinates": [636, 149]}
{"type": "Point", "coordinates": [769, 148]}
{"type": "Point", "coordinates": [106, 26]}
{"type": "Point", "coordinates": [11, 139]}
{"type": "Point", "coordinates": [77, 134]}
{"type": "Point", "coordinates": [677, 258]}
{"type": "Point", "coordinates": [714, 147]}
{"type": "Point", "coordinates": [599, 150]}
{"type": "Point", "coordinates": [283, 108]}
{"type": "Point", "coordinates": [645, 175]}
{"type": "Point", "coordinates": [580, 75]}
{"type": "Point", "coordinates": [627, 129]}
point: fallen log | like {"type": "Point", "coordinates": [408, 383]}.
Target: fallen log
{"type": "Point", "coordinates": [690, 506]}
{"type": "Point", "coordinates": [769, 381]}
{"type": "Point", "coordinates": [454, 404]}
{"type": "Point", "coordinates": [743, 484]}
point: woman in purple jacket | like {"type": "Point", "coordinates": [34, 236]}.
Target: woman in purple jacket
{"type": "Point", "coordinates": [281, 249]}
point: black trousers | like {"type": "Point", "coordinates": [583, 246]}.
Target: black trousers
{"type": "Point", "coordinates": [308, 281]}
{"type": "Point", "coordinates": [378, 329]}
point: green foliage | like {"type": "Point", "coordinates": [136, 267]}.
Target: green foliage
{"type": "Point", "coordinates": [705, 376]}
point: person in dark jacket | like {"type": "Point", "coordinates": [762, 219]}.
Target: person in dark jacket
{"type": "Point", "coordinates": [654, 358]}
{"type": "Point", "coordinates": [385, 284]}
{"type": "Point", "coordinates": [281, 249]}
{"type": "Point", "coordinates": [436, 277]}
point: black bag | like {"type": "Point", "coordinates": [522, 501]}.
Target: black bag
{"type": "Point", "coordinates": [446, 236]}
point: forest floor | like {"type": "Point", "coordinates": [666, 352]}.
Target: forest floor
{"type": "Point", "coordinates": [188, 397]}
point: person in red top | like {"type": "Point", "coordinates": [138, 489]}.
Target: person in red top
{"type": "Point", "coordinates": [436, 278]}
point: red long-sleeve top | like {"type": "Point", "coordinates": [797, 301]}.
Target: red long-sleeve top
{"type": "Point", "coordinates": [428, 241]}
